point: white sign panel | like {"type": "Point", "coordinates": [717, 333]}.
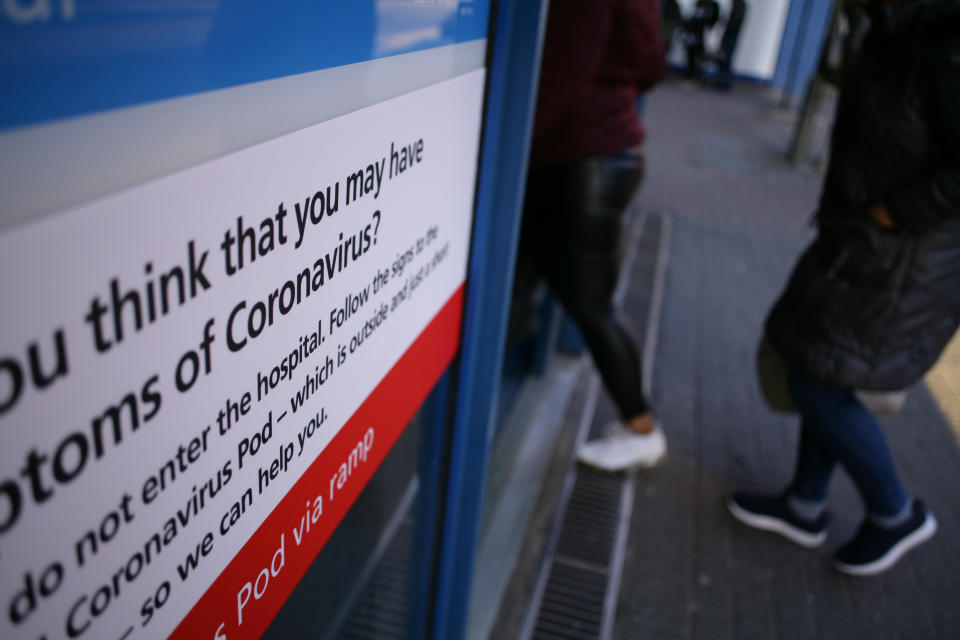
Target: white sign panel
{"type": "Point", "coordinates": [197, 376]}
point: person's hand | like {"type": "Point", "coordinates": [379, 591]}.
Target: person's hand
{"type": "Point", "coordinates": [880, 215]}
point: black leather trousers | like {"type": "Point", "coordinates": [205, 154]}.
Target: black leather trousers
{"type": "Point", "coordinates": [574, 232]}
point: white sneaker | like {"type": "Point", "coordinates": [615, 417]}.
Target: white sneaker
{"type": "Point", "coordinates": [623, 449]}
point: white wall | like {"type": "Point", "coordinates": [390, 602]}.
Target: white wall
{"type": "Point", "coordinates": [760, 39]}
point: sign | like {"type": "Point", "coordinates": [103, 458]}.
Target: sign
{"type": "Point", "coordinates": [199, 375]}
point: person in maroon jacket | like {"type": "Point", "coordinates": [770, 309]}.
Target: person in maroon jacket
{"type": "Point", "coordinates": [586, 163]}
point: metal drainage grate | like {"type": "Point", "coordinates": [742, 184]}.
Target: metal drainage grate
{"type": "Point", "coordinates": [573, 603]}
{"type": "Point", "coordinates": [591, 523]}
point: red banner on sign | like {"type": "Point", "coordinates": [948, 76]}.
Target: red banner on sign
{"type": "Point", "coordinates": [247, 595]}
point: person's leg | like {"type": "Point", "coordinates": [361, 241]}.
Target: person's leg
{"type": "Point", "coordinates": [728, 44]}
{"type": "Point", "coordinates": [583, 270]}
{"type": "Point", "coordinates": [697, 50]}
{"type": "Point", "coordinates": [848, 432]}
{"type": "Point", "coordinates": [614, 351]}
{"type": "Point", "coordinates": [797, 514]}
{"type": "Point", "coordinates": [812, 474]}
{"type": "Point", "coordinates": [838, 428]}
{"type": "Point", "coordinates": [572, 231]}
{"type": "Point", "coordinates": [688, 69]}
{"type": "Point", "coordinates": [535, 233]}
{"type": "Point", "coordinates": [617, 358]}
{"type": "Point", "coordinates": [689, 40]}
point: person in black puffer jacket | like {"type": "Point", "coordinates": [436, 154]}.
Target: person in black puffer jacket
{"type": "Point", "coordinates": [875, 299]}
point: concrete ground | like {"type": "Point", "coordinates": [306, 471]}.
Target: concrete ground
{"type": "Point", "coordinates": [740, 217]}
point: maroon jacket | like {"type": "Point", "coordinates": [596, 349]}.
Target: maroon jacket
{"type": "Point", "coordinates": [598, 55]}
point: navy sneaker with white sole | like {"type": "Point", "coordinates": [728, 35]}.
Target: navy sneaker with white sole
{"type": "Point", "coordinates": [773, 513]}
{"type": "Point", "coordinates": [875, 549]}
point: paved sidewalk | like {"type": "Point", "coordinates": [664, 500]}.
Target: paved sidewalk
{"type": "Point", "coordinates": [739, 220]}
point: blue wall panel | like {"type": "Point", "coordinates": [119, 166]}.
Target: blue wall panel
{"type": "Point", "coordinates": [803, 38]}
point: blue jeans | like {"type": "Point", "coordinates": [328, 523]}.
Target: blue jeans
{"type": "Point", "coordinates": [837, 428]}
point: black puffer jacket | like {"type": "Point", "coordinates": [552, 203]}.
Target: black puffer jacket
{"type": "Point", "coordinates": [866, 307]}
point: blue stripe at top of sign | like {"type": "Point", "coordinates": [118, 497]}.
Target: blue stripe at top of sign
{"type": "Point", "coordinates": [63, 58]}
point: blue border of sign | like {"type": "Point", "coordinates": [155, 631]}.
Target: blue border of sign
{"type": "Point", "coordinates": [63, 58]}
